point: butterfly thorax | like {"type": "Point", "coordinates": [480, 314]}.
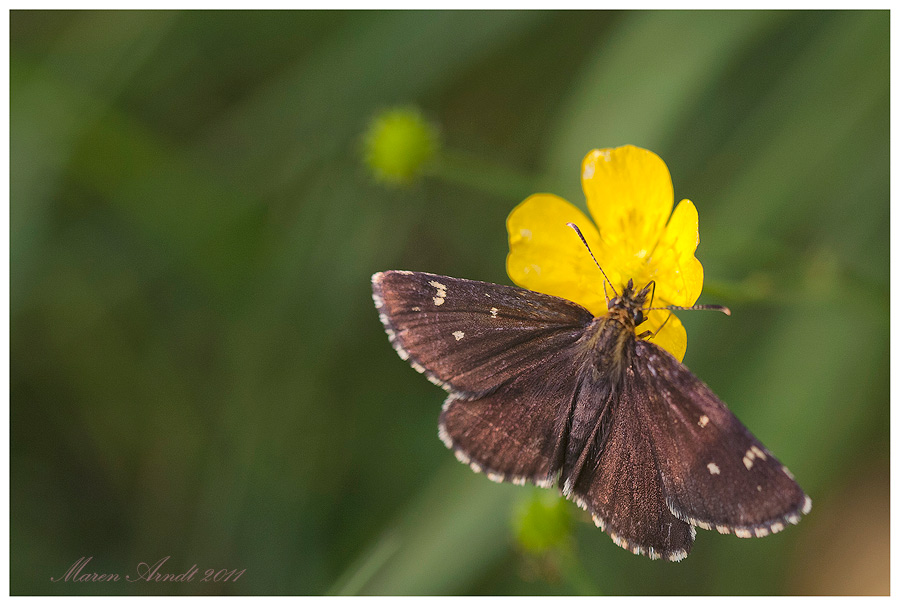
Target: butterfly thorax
{"type": "Point", "coordinates": [612, 335]}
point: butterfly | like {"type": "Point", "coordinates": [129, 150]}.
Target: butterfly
{"type": "Point", "coordinates": [541, 391]}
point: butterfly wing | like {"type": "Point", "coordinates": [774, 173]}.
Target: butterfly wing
{"type": "Point", "coordinates": [517, 432]}
{"type": "Point", "coordinates": [508, 356]}
{"type": "Point", "coordinates": [470, 337]}
{"type": "Point", "coordinates": [621, 485]}
{"type": "Point", "coordinates": [716, 474]}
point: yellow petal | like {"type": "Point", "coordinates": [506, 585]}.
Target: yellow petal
{"type": "Point", "coordinates": [678, 273]}
{"type": "Point", "coordinates": [629, 193]}
{"type": "Point", "coordinates": [672, 337]}
{"type": "Point", "coordinates": [547, 256]}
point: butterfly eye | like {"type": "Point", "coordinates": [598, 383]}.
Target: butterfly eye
{"type": "Point", "coordinates": [638, 316]}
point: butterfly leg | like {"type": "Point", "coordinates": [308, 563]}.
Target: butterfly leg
{"type": "Point", "coordinates": [649, 334]}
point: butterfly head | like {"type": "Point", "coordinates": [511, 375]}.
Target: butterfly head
{"type": "Point", "coordinates": [630, 304]}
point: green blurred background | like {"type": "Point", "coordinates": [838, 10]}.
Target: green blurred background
{"type": "Point", "coordinates": [197, 369]}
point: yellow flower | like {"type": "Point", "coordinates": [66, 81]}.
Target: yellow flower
{"type": "Point", "coordinates": [629, 194]}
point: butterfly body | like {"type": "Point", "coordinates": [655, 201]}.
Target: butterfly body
{"type": "Point", "coordinates": [542, 391]}
{"type": "Point", "coordinates": [610, 337]}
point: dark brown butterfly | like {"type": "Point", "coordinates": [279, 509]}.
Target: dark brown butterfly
{"type": "Point", "coordinates": [542, 391]}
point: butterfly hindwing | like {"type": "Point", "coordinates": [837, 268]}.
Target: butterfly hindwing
{"type": "Point", "coordinates": [716, 474]}
{"type": "Point", "coordinates": [622, 487]}
{"type": "Point", "coordinates": [517, 432]}
{"type": "Point", "coordinates": [470, 337]}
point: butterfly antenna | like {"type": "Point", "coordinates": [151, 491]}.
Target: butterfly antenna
{"type": "Point", "coordinates": [650, 334]}
{"type": "Point", "coordinates": [721, 308]}
{"type": "Point", "coordinates": [583, 241]}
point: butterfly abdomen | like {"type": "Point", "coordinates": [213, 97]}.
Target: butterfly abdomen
{"type": "Point", "coordinates": [608, 348]}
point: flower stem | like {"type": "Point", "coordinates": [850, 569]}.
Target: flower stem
{"type": "Point", "coordinates": [460, 168]}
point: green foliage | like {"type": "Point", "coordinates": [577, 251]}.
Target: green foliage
{"type": "Point", "coordinates": [196, 367]}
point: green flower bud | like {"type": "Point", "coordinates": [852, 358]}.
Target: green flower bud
{"type": "Point", "coordinates": [543, 522]}
{"type": "Point", "coordinates": [398, 145]}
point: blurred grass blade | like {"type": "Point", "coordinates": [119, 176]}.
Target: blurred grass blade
{"type": "Point", "coordinates": [369, 565]}
{"type": "Point", "coordinates": [56, 102]}
{"type": "Point", "coordinates": [453, 530]}
{"type": "Point", "coordinates": [643, 80]}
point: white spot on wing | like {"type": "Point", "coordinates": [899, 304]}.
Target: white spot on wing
{"type": "Point", "coordinates": [441, 292]}
{"type": "Point", "coordinates": [459, 335]}
{"type": "Point", "coordinates": [704, 420]}
{"type": "Point", "coordinates": [750, 455]}
{"type": "Point", "coordinates": [713, 468]}
{"type": "Point", "coordinates": [494, 311]}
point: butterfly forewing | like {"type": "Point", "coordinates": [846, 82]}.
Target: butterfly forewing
{"type": "Point", "coordinates": [716, 473]}
{"type": "Point", "coordinates": [470, 337]}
